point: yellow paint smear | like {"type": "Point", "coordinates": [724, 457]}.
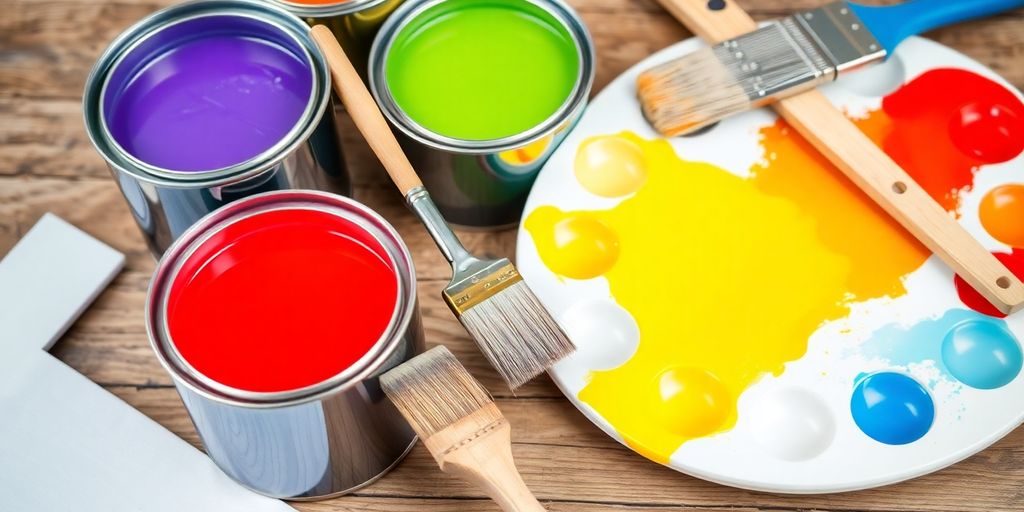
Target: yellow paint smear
{"type": "Point", "coordinates": [726, 277]}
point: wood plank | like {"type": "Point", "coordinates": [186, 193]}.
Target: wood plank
{"type": "Point", "coordinates": [564, 458]}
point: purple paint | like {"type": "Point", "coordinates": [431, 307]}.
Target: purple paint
{"type": "Point", "coordinates": [188, 103]}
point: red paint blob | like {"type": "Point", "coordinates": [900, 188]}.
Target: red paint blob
{"type": "Point", "coordinates": [281, 300]}
{"type": "Point", "coordinates": [974, 300]}
{"type": "Point", "coordinates": [987, 131]}
{"type": "Point", "coordinates": [948, 122]}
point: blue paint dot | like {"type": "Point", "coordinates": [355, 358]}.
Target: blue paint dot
{"type": "Point", "coordinates": [982, 354]}
{"type": "Point", "coordinates": [892, 408]}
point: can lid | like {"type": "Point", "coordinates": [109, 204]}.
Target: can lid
{"type": "Point", "coordinates": [170, 269]}
{"type": "Point", "coordinates": [149, 39]}
{"type": "Point", "coordinates": [572, 105]}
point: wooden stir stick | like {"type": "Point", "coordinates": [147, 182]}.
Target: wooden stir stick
{"type": "Point", "coordinates": [881, 178]}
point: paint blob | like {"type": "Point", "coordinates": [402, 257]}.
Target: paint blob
{"type": "Point", "coordinates": [935, 340]}
{"type": "Point", "coordinates": [983, 354]}
{"type": "Point", "coordinates": [988, 131]}
{"type": "Point", "coordinates": [892, 408]}
{"type": "Point", "coordinates": [281, 300]}
{"type": "Point", "coordinates": [482, 69]}
{"type": "Point", "coordinates": [1002, 213]}
{"type": "Point", "coordinates": [793, 425]}
{"type": "Point", "coordinates": [690, 402]}
{"type": "Point", "coordinates": [950, 112]}
{"type": "Point", "coordinates": [796, 240]}
{"type": "Point", "coordinates": [610, 166]}
{"type": "Point", "coordinates": [210, 101]}
{"type": "Point", "coordinates": [974, 300]}
{"type": "Point", "coordinates": [577, 246]}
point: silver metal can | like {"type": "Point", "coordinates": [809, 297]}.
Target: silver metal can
{"type": "Point", "coordinates": [482, 184]}
{"type": "Point", "coordinates": [165, 202]}
{"type": "Point", "coordinates": [315, 442]}
{"type": "Point", "coordinates": [354, 22]}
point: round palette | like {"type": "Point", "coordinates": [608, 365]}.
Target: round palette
{"type": "Point", "coordinates": [746, 315]}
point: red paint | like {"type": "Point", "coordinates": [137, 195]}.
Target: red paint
{"type": "Point", "coordinates": [948, 122]}
{"type": "Point", "coordinates": [974, 300]}
{"type": "Point", "coordinates": [281, 300]}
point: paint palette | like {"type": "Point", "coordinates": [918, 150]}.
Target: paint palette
{"type": "Point", "coordinates": [746, 315]}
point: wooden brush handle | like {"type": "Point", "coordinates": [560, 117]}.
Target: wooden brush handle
{"type": "Point", "coordinates": [811, 114]}
{"type": "Point", "coordinates": [365, 112]}
{"type": "Point", "coordinates": [486, 462]}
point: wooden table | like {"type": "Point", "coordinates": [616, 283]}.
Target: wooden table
{"type": "Point", "coordinates": [47, 164]}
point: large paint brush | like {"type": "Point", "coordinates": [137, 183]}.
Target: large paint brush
{"type": "Point", "coordinates": [867, 166]}
{"type": "Point", "coordinates": [490, 298]}
{"type": "Point", "coordinates": [459, 423]}
{"type": "Point", "coordinates": [788, 56]}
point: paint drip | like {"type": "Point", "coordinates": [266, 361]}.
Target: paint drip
{"type": "Point", "coordinates": [727, 287]}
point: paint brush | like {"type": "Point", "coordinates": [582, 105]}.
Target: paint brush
{"type": "Point", "coordinates": [840, 141]}
{"type": "Point", "coordinates": [513, 329]}
{"type": "Point", "coordinates": [788, 56]}
{"type": "Point", "coordinates": [459, 423]}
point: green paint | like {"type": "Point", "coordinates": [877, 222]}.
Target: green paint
{"type": "Point", "coordinates": [482, 69]}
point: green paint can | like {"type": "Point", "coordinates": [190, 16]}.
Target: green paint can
{"type": "Point", "coordinates": [483, 92]}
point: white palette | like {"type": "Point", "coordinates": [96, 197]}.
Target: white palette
{"type": "Point", "coordinates": [768, 454]}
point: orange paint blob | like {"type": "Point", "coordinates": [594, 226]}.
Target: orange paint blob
{"type": "Point", "coordinates": [1002, 214]}
{"type": "Point", "coordinates": [880, 251]}
{"type": "Point", "coordinates": [972, 299]}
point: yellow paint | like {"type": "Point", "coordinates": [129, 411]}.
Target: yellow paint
{"type": "Point", "coordinates": [610, 166]}
{"type": "Point", "coordinates": [577, 245]}
{"type": "Point", "coordinates": [726, 277]}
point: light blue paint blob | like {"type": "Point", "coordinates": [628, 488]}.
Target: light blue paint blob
{"type": "Point", "coordinates": [983, 354]}
{"type": "Point", "coordinates": [892, 408]}
{"type": "Point", "coordinates": [923, 341]}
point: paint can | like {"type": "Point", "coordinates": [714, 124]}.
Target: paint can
{"type": "Point", "coordinates": [286, 398]}
{"type": "Point", "coordinates": [538, 79]}
{"type": "Point", "coordinates": [209, 101]}
{"type": "Point", "coordinates": [353, 22]}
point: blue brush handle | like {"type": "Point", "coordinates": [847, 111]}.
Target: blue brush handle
{"type": "Point", "coordinates": [894, 23]}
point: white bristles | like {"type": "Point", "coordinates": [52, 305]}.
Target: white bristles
{"type": "Point", "coordinates": [517, 334]}
{"type": "Point", "coordinates": [433, 390]}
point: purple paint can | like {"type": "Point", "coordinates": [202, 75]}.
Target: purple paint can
{"type": "Point", "coordinates": [210, 101]}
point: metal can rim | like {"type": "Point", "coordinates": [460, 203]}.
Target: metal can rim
{"type": "Point", "coordinates": [130, 38]}
{"type": "Point", "coordinates": [409, 10]}
{"type": "Point", "coordinates": [378, 355]}
{"type": "Point", "coordinates": [327, 10]}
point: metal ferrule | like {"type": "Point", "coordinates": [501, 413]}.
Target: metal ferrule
{"type": "Point", "coordinates": [473, 279]}
{"type": "Point", "coordinates": [799, 52]}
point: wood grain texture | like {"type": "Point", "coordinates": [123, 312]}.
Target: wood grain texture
{"type": "Point", "coordinates": [47, 164]}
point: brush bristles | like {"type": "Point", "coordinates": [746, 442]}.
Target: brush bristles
{"type": "Point", "coordinates": [433, 390]}
{"type": "Point", "coordinates": [690, 92]}
{"type": "Point", "coordinates": [517, 334]}
{"type": "Point", "coordinates": [774, 61]}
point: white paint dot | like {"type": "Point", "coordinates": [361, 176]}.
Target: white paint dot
{"type": "Point", "coordinates": [793, 424]}
{"type": "Point", "coordinates": [605, 335]}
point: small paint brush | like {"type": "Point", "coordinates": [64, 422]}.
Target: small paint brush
{"type": "Point", "coordinates": [459, 423]}
{"type": "Point", "coordinates": [513, 329]}
{"type": "Point", "coordinates": [788, 56]}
